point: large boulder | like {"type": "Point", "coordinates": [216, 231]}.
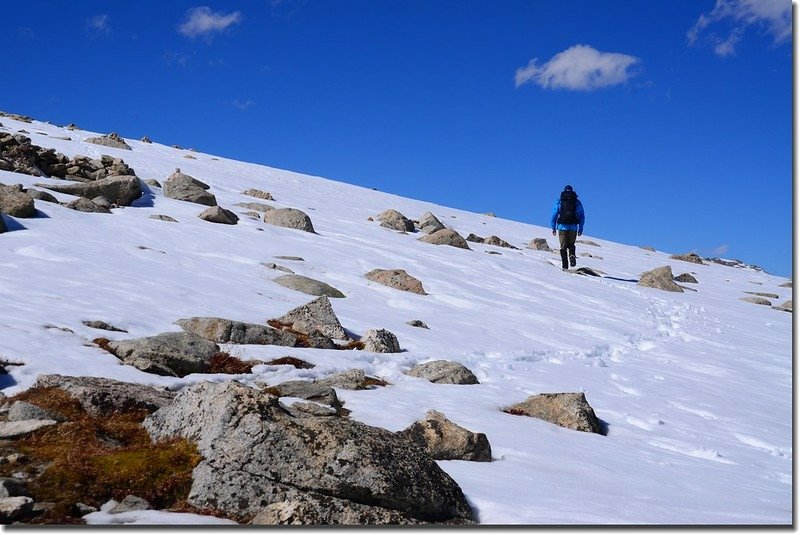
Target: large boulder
{"type": "Point", "coordinates": [120, 190]}
{"type": "Point", "coordinates": [223, 331]}
{"type": "Point", "coordinates": [174, 354]}
{"type": "Point", "coordinates": [429, 223]}
{"type": "Point", "coordinates": [289, 218]}
{"type": "Point", "coordinates": [15, 202]}
{"type": "Point", "coordinates": [444, 372]}
{"type": "Point", "coordinates": [395, 220]}
{"type": "Point", "coordinates": [446, 440]}
{"type": "Point", "coordinates": [398, 279]}
{"type": "Point", "coordinates": [113, 140]}
{"type": "Point", "coordinates": [446, 237]}
{"type": "Point", "coordinates": [308, 285]}
{"type": "Point", "coordinates": [98, 395]}
{"type": "Point", "coordinates": [661, 279]}
{"type": "Point", "coordinates": [570, 410]}
{"type": "Point", "coordinates": [256, 453]}
{"type": "Point", "coordinates": [314, 317]}
{"type": "Point", "coordinates": [218, 214]}
{"type": "Point", "coordinates": [183, 187]}
{"type": "Point", "coordinates": [380, 341]}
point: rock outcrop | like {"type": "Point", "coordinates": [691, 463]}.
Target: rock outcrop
{"type": "Point", "coordinates": [119, 190]}
{"type": "Point", "coordinates": [257, 193]}
{"type": "Point", "coordinates": [398, 279]}
{"type": "Point", "coordinates": [687, 278]}
{"type": "Point", "coordinates": [570, 410]}
{"type": "Point", "coordinates": [429, 223]}
{"type": "Point", "coordinates": [82, 204]}
{"type": "Point", "coordinates": [98, 395]}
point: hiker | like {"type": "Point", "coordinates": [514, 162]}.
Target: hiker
{"type": "Point", "coordinates": [568, 215]}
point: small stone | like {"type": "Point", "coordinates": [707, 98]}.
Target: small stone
{"type": "Point", "coordinates": [130, 503]}
{"type": "Point", "coordinates": [417, 323]}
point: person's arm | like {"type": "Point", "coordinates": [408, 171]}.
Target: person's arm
{"type": "Point", "coordinates": [581, 218]}
{"type": "Point", "coordinates": [554, 216]}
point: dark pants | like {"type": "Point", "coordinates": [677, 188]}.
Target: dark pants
{"type": "Point", "coordinates": [567, 240]}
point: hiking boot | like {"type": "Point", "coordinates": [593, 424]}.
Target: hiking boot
{"type": "Point", "coordinates": [572, 260]}
{"type": "Point", "coordinates": [564, 264]}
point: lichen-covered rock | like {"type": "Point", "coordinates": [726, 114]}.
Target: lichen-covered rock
{"type": "Point", "coordinates": [446, 440]}
{"type": "Point", "coordinates": [102, 325]}
{"type": "Point", "coordinates": [661, 279]}
{"type": "Point", "coordinates": [256, 453]}
{"type": "Point", "coordinates": [444, 372]}
{"type": "Point", "coordinates": [98, 395]}
{"type": "Point", "coordinates": [308, 286]}
{"type": "Point", "coordinates": [398, 279]}
{"type": "Point", "coordinates": [446, 237]}
{"type": "Point", "coordinates": [316, 316]}
{"type": "Point", "coordinates": [380, 341]}
{"type": "Point", "coordinates": [395, 220]}
{"type": "Point", "coordinates": [120, 190]}
{"type": "Point", "coordinates": [184, 187]}
{"type": "Point", "coordinates": [176, 354]}
{"type": "Point", "coordinates": [289, 218]}
{"type": "Point", "coordinates": [218, 214]}
{"type": "Point", "coordinates": [224, 331]}
{"type": "Point", "coordinates": [570, 410]}
{"type": "Point", "coordinates": [15, 508]}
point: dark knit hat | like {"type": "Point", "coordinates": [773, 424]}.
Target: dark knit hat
{"type": "Point", "coordinates": [567, 188]}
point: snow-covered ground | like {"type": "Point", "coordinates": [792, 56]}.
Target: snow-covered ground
{"type": "Point", "coordinates": [695, 388]}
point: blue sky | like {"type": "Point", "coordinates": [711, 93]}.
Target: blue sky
{"type": "Point", "coordinates": [672, 119]}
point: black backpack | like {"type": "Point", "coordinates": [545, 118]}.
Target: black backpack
{"type": "Point", "coordinates": [567, 215]}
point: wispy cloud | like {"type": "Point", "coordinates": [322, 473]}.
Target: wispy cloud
{"type": "Point", "coordinates": [720, 250]}
{"type": "Point", "coordinates": [578, 68]}
{"type": "Point", "coordinates": [731, 17]}
{"type": "Point", "coordinates": [202, 22]}
{"type": "Point", "coordinates": [243, 105]}
{"type": "Point", "coordinates": [175, 58]}
{"type": "Point", "coordinates": [98, 25]}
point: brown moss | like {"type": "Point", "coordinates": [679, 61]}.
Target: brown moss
{"type": "Point", "coordinates": [292, 361]}
{"type": "Point", "coordinates": [226, 363]}
{"type": "Point", "coordinates": [103, 343]}
{"type": "Point", "coordinates": [304, 341]}
{"type": "Point", "coordinates": [92, 459]}
{"type": "Point", "coordinates": [514, 411]}
{"type": "Point", "coordinates": [372, 381]}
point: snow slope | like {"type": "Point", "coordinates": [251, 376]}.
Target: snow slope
{"type": "Point", "coordinates": [695, 388]}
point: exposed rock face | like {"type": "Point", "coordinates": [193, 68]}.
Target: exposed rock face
{"type": "Point", "coordinates": [187, 188]}
{"type": "Point", "coordinates": [444, 372]}
{"type": "Point", "coordinates": [175, 354]}
{"type": "Point", "coordinates": [255, 454]}
{"type": "Point", "coordinates": [689, 257]}
{"type": "Point", "coordinates": [223, 331]}
{"type": "Point", "coordinates": [352, 379]}
{"type": "Point", "coordinates": [539, 244]}
{"type": "Point", "coordinates": [380, 341]}
{"type": "Point", "coordinates": [308, 285]}
{"type": "Point", "coordinates": [273, 265]}
{"type": "Point", "coordinates": [110, 140]}
{"type": "Point", "coordinates": [661, 279]}
{"type": "Point", "coordinates": [395, 220]}
{"type": "Point", "coordinates": [10, 430]}
{"type": "Point", "coordinates": [474, 238]}
{"type": "Point", "coordinates": [446, 441]}
{"type": "Point", "coordinates": [446, 237]}
{"type": "Point", "coordinates": [785, 285]}
{"type": "Point", "coordinates": [82, 204]}
{"type": "Point", "coordinates": [316, 316]}
{"type": "Point", "coordinates": [570, 410]}
{"type": "Point", "coordinates": [15, 202]}
{"type": "Point", "coordinates": [98, 395]}
{"type": "Point", "coordinates": [217, 214]}
{"type": "Point", "coordinates": [22, 410]}
{"type": "Point", "coordinates": [257, 193]}
{"type": "Point", "coordinates": [756, 301]}
{"type": "Point", "coordinates": [588, 242]}
{"type": "Point", "coordinates": [687, 278]}
{"type": "Point", "coordinates": [19, 155]}
{"type": "Point", "coordinates": [398, 279]}
{"type": "Point", "coordinates": [120, 190]}
{"type": "Point", "coordinates": [86, 169]}
{"type": "Point", "coordinates": [289, 218]}
{"type": "Point", "coordinates": [429, 223]}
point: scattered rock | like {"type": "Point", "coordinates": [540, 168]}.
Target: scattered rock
{"type": "Point", "coordinates": [689, 257]}
{"type": "Point", "coordinates": [258, 194]}
{"type": "Point", "coordinates": [785, 307]}
{"type": "Point", "coordinates": [120, 190]}
{"type": "Point", "coordinates": [398, 279]}
{"type": "Point", "coordinates": [223, 331]}
{"type": "Point", "coordinates": [417, 323]}
{"type": "Point", "coordinates": [444, 372]}
{"type": "Point", "coordinates": [647, 248]}
{"type": "Point", "coordinates": [22, 410]}
{"type": "Point", "coordinates": [146, 139]}
{"type": "Point", "coordinates": [310, 390]}
{"type": "Point", "coordinates": [272, 265]}
{"type": "Point", "coordinates": [82, 204]}
{"type": "Point", "coordinates": [289, 218]}
{"type": "Point", "coordinates": [19, 155]}
{"type": "Point", "coordinates": [256, 206]}
{"type": "Point", "coordinates": [446, 237]}
{"type": "Point", "coordinates": [316, 316]}
{"type": "Point", "coordinates": [130, 503]}
{"type": "Point", "coordinates": [428, 223]}
{"type": "Point", "coordinates": [293, 258]}
{"type": "Point", "coordinates": [380, 341]}
{"type": "Point", "coordinates": [395, 220]}
{"type": "Point", "coordinates": [110, 140]}
{"type": "Point", "coordinates": [162, 217]}
{"type": "Point", "coordinates": [189, 157]}
{"type": "Point", "coordinates": [686, 277]}
{"type": "Point", "coordinates": [102, 201]}
{"type": "Point", "coordinates": [474, 238]}
{"type": "Point", "coordinates": [570, 410]}
{"type": "Point", "coordinates": [255, 453]}
{"type": "Point", "coordinates": [172, 354]}
{"type": "Point", "coordinates": [153, 183]}
{"type": "Point", "coordinates": [354, 379]}
{"type": "Point", "coordinates": [498, 242]}
{"type": "Point", "coordinates": [300, 364]}
{"type": "Point", "coordinates": [446, 441]}
{"type": "Point", "coordinates": [661, 279]}
{"type": "Point", "coordinates": [86, 169]}
{"type": "Point", "coordinates": [756, 300]}
{"type": "Point", "coordinates": [588, 242]}
{"type": "Point", "coordinates": [183, 187]}
{"type": "Point", "coordinates": [41, 196]}
{"type": "Point", "coordinates": [764, 294]}
{"type": "Point", "coordinates": [735, 263]}
{"type": "Point", "coordinates": [785, 285]}
{"type": "Point", "coordinates": [11, 487]}
{"type": "Point", "coordinates": [15, 508]}
{"type": "Point", "coordinates": [308, 286]}
{"type": "Point", "coordinates": [21, 428]}
{"type": "Point", "coordinates": [312, 509]}
{"type": "Point", "coordinates": [217, 214]}
{"type": "Point", "coordinates": [98, 395]}
{"type": "Point", "coordinates": [15, 202]}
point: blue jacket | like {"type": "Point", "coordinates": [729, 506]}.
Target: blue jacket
{"type": "Point", "coordinates": [561, 226]}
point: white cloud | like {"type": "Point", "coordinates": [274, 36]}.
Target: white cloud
{"type": "Point", "coordinates": [720, 250]}
{"type": "Point", "coordinates": [578, 68]}
{"type": "Point", "coordinates": [99, 24]}
{"type": "Point", "coordinates": [201, 21]}
{"type": "Point", "coordinates": [733, 16]}
{"type": "Point", "coordinates": [243, 105]}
